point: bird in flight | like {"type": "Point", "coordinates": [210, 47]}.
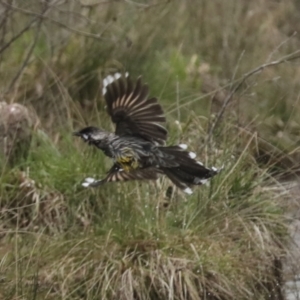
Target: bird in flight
{"type": "Point", "coordinates": [137, 147]}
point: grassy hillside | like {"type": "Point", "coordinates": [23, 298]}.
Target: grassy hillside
{"type": "Point", "coordinates": [131, 241]}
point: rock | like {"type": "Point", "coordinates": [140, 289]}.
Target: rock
{"type": "Point", "coordinates": [16, 126]}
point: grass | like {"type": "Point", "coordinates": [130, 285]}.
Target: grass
{"type": "Point", "coordinates": [129, 241]}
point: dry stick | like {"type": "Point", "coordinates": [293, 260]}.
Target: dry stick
{"type": "Point", "coordinates": [38, 15]}
{"type": "Point", "coordinates": [18, 35]}
{"type": "Point", "coordinates": [29, 54]}
{"type": "Point", "coordinates": [75, 14]}
{"type": "Point", "coordinates": [145, 6]}
{"type": "Point", "coordinates": [290, 57]}
{"type": "Point", "coordinates": [4, 21]}
{"type": "Point", "coordinates": [3, 27]}
{"type": "Point", "coordinates": [96, 3]}
{"type": "Point", "coordinates": [280, 45]}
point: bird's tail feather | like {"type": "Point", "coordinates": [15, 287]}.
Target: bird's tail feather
{"type": "Point", "coordinates": [183, 169]}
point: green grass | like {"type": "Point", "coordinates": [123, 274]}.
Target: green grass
{"type": "Point", "coordinates": [128, 241]}
{"type": "Point", "coordinates": [120, 241]}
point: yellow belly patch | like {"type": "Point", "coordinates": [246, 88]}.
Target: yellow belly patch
{"type": "Point", "coordinates": [128, 163]}
{"type": "Point", "coordinates": [127, 159]}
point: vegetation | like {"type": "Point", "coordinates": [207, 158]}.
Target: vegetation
{"type": "Point", "coordinates": [132, 241]}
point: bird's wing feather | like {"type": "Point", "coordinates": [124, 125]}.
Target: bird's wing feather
{"type": "Point", "coordinates": [133, 112]}
{"type": "Point", "coordinates": [115, 174]}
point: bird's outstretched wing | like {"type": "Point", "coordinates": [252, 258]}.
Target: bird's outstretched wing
{"type": "Point", "coordinates": [116, 174]}
{"type": "Point", "coordinates": [133, 112]}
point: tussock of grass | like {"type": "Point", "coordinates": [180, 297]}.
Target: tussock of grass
{"type": "Point", "coordinates": [123, 241]}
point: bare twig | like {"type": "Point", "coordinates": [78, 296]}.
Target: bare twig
{"type": "Point", "coordinates": [29, 54]}
{"type": "Point", "coordinates": [241, 81]}
{"type": "Point", "coordinates": [141, 5]}
{"type": "Point", "coordinates": [26, 28]}
{"type": "Point", "coordinates": [96, 3]}
{"type": "Point", "coordinates": [5, 14]}
{"type": "Point", "coordinates": [38, 15]}
{"type": "Point", "coordinates": [3, 26]}
{"type": "Point", "coordinates": [280, 45]}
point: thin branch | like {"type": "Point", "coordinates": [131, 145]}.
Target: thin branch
{"type": "Point", "coordinates": [38, 15]}
{"type": "Point", "coordinates": [280, 45]}
{"type": "Point", "coordinates": [26, 28]}
{"type": "Point", "coordinates": [29, 54]}
{"type": "Point", "coordinates": [141, 5]}
{"type": "Point", "coordinates": [3, 27]}
{"type": "Point", "coordinates": [6, 14]}
{"type": "Point", "coordinates": [96, 3]}
{"type": "Point", "coordinates": [287, 58]}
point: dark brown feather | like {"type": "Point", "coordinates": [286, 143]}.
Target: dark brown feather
{"type": "Point", "coordinates": [132, 111]}
{"type": "Point", "coordinates": [142, 174]}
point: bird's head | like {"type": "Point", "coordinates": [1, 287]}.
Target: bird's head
{"type": "Point", "coordinates": [91, 135]}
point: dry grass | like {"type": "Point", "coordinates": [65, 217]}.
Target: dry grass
{"type": "Point", "coordinates": [129, 241]}
{"type": "Point", "coordinates": [60, 240]}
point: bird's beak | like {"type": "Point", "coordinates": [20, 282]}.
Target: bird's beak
{"type": "Point", "coordinates": [76, 133]}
